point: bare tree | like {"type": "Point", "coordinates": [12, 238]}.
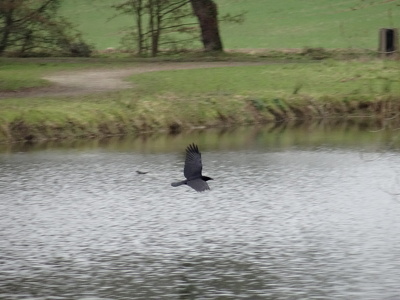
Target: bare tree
{"type": "Point", "coordinates": [137, 10]}
{"type": "Point", "coordinates": [158, 22]}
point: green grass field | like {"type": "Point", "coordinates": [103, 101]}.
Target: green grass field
{"type": "Point", "coordinates": [16, 74]}
{"type": "Point", "coordinates": [268, 24]}
{"type": "Point", "coordinates": [329, 78]}
{"type": "Point", "coordinates": [309, 23]}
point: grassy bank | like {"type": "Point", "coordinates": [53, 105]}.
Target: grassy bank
{"type": "Point", "coordinates": [171, 101]}
{"type": "Point", "coordinates": [119, 114]}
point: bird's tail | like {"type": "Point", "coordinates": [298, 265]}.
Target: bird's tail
{"type": "Point", "coordinates": [178, 183]}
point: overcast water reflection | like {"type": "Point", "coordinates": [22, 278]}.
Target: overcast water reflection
{"type": "Point", "coordinates": [292, 214]}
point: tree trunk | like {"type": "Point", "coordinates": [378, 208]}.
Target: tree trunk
{"type": "Point", "coordinates": [207, 14]}
{"type": "Point", "coordinates": [8, 22]}
{"type": "Point", "coordinates": [155, 25]}
{"type": "Point", "coordinates": [139, 24]}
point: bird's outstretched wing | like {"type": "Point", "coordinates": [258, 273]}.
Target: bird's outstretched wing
{"type": "Point", "coordinates": [193, 165]}
{"type": "Point", "coordinates": [198, 184]}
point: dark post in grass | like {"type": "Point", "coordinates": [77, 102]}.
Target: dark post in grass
{"type": "Point", "coordinates": [388, 42]}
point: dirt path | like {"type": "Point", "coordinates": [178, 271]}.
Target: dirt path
{"type": "Point", "coordinates": [75, 83]}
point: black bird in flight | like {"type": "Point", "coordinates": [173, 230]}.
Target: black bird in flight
{"type": "Point", "coordinates": [192, 170]}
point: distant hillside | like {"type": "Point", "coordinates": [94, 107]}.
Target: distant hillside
{"type": "Point", "coordinates": [268, 24]}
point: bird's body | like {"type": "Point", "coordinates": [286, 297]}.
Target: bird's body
{"type": "Point", "coordinates": [192, 170]}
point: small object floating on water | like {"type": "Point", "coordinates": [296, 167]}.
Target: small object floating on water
{"type": "Point", "coordinates": [142, 172]}
{"type": "Point", "coordinates": [192, 170]}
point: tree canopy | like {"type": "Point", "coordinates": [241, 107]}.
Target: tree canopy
{"type": "Point", "coordinates": [33, 27]}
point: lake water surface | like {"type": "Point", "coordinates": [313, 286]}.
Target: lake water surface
{"type": "Point", "coordinates": [305, 213]}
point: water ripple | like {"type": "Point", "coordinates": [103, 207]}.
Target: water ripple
{"type": "Point", "coordinates": [276, 225]}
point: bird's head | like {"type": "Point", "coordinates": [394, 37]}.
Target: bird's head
{"type": "Point", "coordinates": [205, 178]}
